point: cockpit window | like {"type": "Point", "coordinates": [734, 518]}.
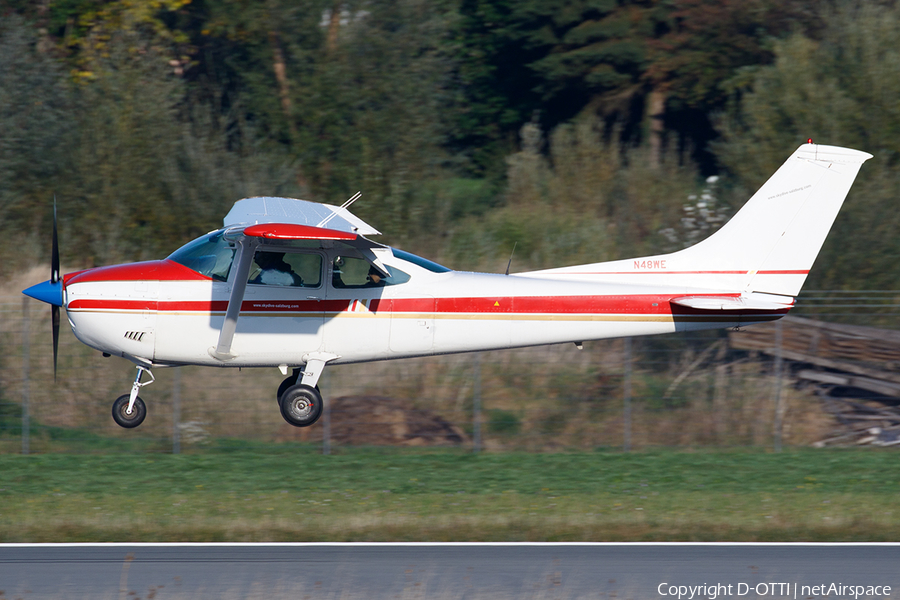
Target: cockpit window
{"type": "Point", "coordinates": [286, 269]}
{"type": "Point", "coordinates": [349, 272]}
{"type": "Point", "coordinates": [420, 262]}
{"type": "Point", "coordinates": [209, 255]}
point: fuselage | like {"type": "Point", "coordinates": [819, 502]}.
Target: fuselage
{"type": "Point", "coordinates": [171, 312]}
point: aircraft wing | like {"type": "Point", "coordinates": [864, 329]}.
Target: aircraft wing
{"type": "Point", "coordinates": [266, 209]}
{"type": "Point", "coordinates": [273, 235]}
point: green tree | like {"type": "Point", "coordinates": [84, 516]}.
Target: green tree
{"type": "Point", "coordinates": [576, 198]}
{"type": "Point", "coordinates": [351, 90]}
{"type": "Point", "coordinates": [495, 89]}
{"type": "Point", "coordinates": [710, 50]}
{"type": "Point", "coordinates": [36, 133]}
{"type": "Point", "coordinates": [152, 170]}
{"type": "Point", "coordinates": [372, 119]}
{"type": "Point", "coordinates": [841, 90]}
{"type": "Point", "coordinates": [558, 58]}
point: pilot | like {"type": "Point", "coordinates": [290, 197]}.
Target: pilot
{"type": "Point", "coordinates": [374, 278]}
{"type": "Point", "coordinates": [274, 270]}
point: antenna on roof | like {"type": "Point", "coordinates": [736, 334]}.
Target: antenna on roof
{"type": "Point", "coordinates": [510, 257]}
{"type": "Point", "coordinates": [343, 206]}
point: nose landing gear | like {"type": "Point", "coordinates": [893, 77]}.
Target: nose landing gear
{"type": "Point", "coordinates": [129, 410]}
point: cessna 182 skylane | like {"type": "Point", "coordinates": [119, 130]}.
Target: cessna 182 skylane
{"type": "Point", "coordinates": [299, 285]}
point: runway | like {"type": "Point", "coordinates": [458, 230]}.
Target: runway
{"type": "Point", "coordinates": [439, 571]}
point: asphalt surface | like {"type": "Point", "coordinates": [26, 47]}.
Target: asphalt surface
{"type": "Point", "coordinates": [466, 571]}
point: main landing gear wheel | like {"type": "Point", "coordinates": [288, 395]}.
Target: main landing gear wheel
{"type": "Point", "coordinates": [301, 405]}
{"type": "Point", "coordinates": [288, 382]}
{"type": "Point", "coordinates": [120, 411]}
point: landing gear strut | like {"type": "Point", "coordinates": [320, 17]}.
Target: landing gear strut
{"type": "Point", "coordinates": [129, 410]}
{"type": "Point", "coordinates": [290, 380]}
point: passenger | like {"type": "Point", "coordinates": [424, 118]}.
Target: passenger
{"type": "Point", "coordinates": [274, 270]}
{"type": "Point", "coordinates": [336, 279]}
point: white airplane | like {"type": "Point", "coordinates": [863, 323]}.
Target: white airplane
{"type": "Point", "coordinates": [299, 285]}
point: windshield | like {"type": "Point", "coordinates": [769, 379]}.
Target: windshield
{"type": "Point", "coordinates": [209, 255]}
{"type": "Point", "coordinates": [420, 262]}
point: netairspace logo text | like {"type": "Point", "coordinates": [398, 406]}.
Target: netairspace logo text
{"type": "Point", "coordinates": [779, 590]}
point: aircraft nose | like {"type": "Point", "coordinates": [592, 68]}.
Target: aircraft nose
{"type": "Point", "coordinates": [49, 292]}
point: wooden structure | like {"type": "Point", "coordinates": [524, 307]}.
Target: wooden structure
{"type": "Point", "coordinates": [855, 371]}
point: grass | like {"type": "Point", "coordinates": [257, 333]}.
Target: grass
{"type": "Point", "coordinates": [280, 493]}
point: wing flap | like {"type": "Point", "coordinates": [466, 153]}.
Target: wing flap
{"type": "Point", "coordinates": [731, 303]}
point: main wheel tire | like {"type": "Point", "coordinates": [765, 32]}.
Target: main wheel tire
{"type": "Point", "coordinates": [301, 405]}
{"type": "Point", "coordinates": [288, 382]}
{"type": "Point", "coordinates": [138, 411]}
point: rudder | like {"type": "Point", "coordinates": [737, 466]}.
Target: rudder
{"type": "Point", "coordinates": [778, 233]}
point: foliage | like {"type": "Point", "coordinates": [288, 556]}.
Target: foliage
{"type": "Point", "coordinates": [372, 120]}
{"type": "Point", "coordinates": [840, 91]}
{"type": "Point", "coordinates": [580, 200]}
{"type": "Point", "coordinates": [708, 46]}
{"type": "Point", "coordinates": [553, 59]}
{"type": "Point", "coordinates": [503, 422]}
{"type": "Point", "coordinates": [186, 172]}
{"type": "Point", "coordinates": [36, 132]}
{"type": "Point", "coordinates": [137, 168]}
{"type": "Point", "coordinates": [147, 120]}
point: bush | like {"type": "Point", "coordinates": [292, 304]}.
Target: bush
{"type": "Point", "coordinates": [503, 422]}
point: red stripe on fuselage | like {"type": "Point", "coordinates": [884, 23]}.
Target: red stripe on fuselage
{"type": "Point", "coordinates": [618, 304]}
{"type": "Point", "coordinates": [662, 272]}
{"type": "Point", "coordinates": [650, 304]}
{"type": "Point", "coordinates": [120, 305]}
{"type": "Point", "coordinates": [212, 306]}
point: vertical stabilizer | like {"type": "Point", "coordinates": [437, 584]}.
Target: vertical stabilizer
{"type": "Point", "coordinates": [769, 246]}
{"type": "Point", "coordinates": [777, 235]}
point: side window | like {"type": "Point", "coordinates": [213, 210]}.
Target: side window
{"type": "Point", "coordinates": [349, 272]}
{"type": "Point", "coordinates": [286, 269]}
{"type": "Point", "coordinates": [307, 266]}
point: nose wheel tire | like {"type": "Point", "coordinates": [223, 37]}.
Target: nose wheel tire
{"type": "Point", "coordinates": [123, 418]}
{"type": "Point", "coordinates": [301, 405]}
